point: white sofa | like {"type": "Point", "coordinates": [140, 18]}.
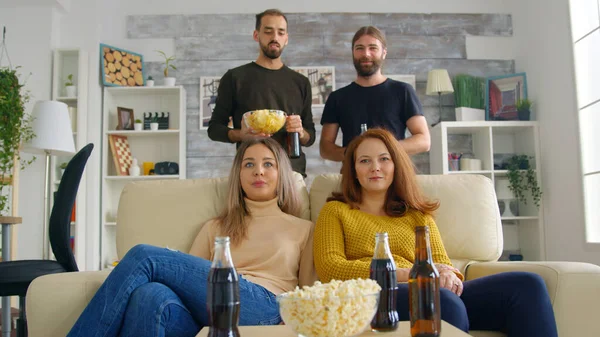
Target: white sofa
{"type": "Point", "coordinates": [170, 213]}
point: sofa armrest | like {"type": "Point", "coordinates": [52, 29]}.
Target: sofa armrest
{"type": "Point", "coordinates": [574, 289]}
{"type": "Point", "coordinates": [54, 302]}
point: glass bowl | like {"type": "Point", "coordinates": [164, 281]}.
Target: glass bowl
{"type": "Point", "coordinates": [328, 315]}
{"type": "Point", "coordinates": [264, 121]}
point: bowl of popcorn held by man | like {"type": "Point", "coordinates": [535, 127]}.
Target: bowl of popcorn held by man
{"type": "Point", "coordinates": [333, 309]}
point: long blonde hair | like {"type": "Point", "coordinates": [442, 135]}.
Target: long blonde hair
{"type": "Point", "coordinates": [232, 219]}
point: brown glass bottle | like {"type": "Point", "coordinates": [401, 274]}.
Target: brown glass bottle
{"type": "Point", "coordinates": [223, 293]}
{"type": "Point", "coordinates": [293, 143]}
{"type": "Point", "coordinates": [383, 270]}
{"type": "Point", "coordinates": [424, 290]}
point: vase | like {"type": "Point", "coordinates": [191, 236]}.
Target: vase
{"type": "Point", "coordinates": [169, 81]}
{"type": "Point", "coordinates": [71, 91]}
{"type": "Point", "coordinates": [524, 115]}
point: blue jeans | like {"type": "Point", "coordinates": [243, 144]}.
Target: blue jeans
{"type": "Point", "coordinates": [160, 292]}
{"type": "Point", "coordinates": [516, 303]}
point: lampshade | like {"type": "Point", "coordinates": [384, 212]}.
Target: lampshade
{"type": "Point", "coordinates": [438, 82]}
{"type": "Point", "coordinates": [52, 128]}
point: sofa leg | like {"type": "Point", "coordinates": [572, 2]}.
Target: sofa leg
{"type": "Point", "coordinates": [22, 320]}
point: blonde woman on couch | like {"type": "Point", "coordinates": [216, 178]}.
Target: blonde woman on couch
{"type": "Point", "coordinates": [160, 292]}
{"type": "Point", "coordinates": [380, 194]}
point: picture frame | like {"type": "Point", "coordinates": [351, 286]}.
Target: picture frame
{"type": "Point", "coordinates": [322, 81]}
{"type": "Point", "coordinates": [502, 94]}
{"type": "Point", "coordinates": [125, 118]}
{"type": "Point", "coordinates": [209, 87]}
{"type": "Point", "coordinates": [410, 79]}
{"type": "Point", "coordinates": [120, 67]}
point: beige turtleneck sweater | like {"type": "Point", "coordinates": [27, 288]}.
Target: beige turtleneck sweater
{"type": "Point", "coordinates": [277, 253]}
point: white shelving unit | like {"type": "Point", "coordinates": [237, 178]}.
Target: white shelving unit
{"type": "Point", "coordinates": [146, 146]}
{"type": "Point", "coordinates": [490, 141]}
{"type": "Point", "coordinates": [72, 62]}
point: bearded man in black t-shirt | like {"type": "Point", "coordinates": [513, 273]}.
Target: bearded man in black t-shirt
{"type": "Point", "coordinates": [374, 100]}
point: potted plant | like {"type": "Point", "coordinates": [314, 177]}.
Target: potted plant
{"type": "Point", "coordinates": [169, 81]}
{"type": "Point", "coordinates": [62, 167]}
{"type": "Point", "coordinates": [154, 123]}
{"type": "Point", "coordinates": [70, 87]}
{"type": "Point", "coordinates": [524, 109]}
{"type": "Point", "coordinates": [150, 81]}
{"type": "Point", "coordinates": [469, 97]}
{"type": "Point", "coordinates": [138, 126]}
{"type": "Point", "coordinates": [522, 178]}
{"type": "Point", "coordinates": [15, 129]}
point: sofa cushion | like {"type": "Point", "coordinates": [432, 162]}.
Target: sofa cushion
{"type": "Point", "coordinates": [468, 217]}
{"type": "Point", "coordinates": [169, 213]}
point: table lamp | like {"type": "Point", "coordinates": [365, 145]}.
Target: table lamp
{"type": "Point", "coordinates": [438, 83]}
{"type": "Point", "coordinates": [53, 137]}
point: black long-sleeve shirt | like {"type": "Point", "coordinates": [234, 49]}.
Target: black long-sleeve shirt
{"type": "Point", "coordinates": [252, 87]}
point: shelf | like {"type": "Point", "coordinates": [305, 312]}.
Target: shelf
{"type": "Point", "coordinates": [470, 172]}
{"type": "Point", "coordinates": [156, 90]}
{"type": "Point", "coordinates": [154, 177]}
{"type": "Point", "coordinates": [66, 99]}
{"type": "Point", "coordinates": [143, 132]}
{"type": "Point", "coordinates": [520, 218]}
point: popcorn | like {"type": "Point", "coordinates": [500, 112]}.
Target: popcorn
{"type": "Point", "coordinates": [265, 121]}
{"type": "Point", "coordinates": [334, 309]}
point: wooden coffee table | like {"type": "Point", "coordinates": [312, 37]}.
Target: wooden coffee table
{"type": "Point", "coordinates": [284, 331]}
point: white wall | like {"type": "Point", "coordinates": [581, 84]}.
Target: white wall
{"type": "Point", "coordinates": [29, 42]}
{"type": "Point", "coordinates": [544, 50]}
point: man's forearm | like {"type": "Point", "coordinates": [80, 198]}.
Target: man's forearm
{"type": "Point", "coordinates": [304, 137]}
{"type": "Point", "coordinates": [332, 152]}
{"type": "Point", "coordinates": [235, 135]}
{"type": "Point", "coordinates": [416, 144]}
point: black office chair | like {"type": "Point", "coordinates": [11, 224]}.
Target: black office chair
{"type": "Point", "coordinates": [15, 276]}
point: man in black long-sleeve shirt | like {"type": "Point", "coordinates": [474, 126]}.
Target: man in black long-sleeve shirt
{"type": "Point", "coordinates": [265, 84]}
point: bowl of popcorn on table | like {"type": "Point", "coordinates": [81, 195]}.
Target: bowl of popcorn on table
{"type": "Point", "coordinates": [333, 309]}
{"type": "Point", "coordinates": [265, 121]}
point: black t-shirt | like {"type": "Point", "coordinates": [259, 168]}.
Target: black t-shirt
{"type": "Point", "coordinates": [252, 87]}
{"type": "Point", "coordinates": [388, 105]}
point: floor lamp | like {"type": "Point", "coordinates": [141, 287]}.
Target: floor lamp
{"type": "Point", "coordinates": [438, 83]}
{"type": "Point", "coordinates": [53, 137]}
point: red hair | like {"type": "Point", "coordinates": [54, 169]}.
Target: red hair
{"type": "Point", "coordinates": [403, 194]}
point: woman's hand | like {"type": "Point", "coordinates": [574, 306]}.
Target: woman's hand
{"type": "Point", "coordinates": [450, 281]}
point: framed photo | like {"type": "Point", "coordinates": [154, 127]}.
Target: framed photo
{"type": "Point", "coordinates": [502, 94]}
{"type": "Point", "coordinates": [322, 81]}
{"type": "Point", "coordinates": [125, 118]}
{"type": "Point", "coordinates": [410, 79]}
{"type": "Point", "coordinates": [209, 87]}
{"type": "Point", "coordinates": [120, 67]}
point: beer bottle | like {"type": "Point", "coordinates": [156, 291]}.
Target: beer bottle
{"type": "Point", "coordinates": [424, 290]}
{"type": "Point", "coordinates": [363, 128]}
{"type": "Point", "coordinates": [293, 142]}
{"type": "Point", "coordinates": [383, 270]}
{"type": "Point", "coordinates": [223, 293]}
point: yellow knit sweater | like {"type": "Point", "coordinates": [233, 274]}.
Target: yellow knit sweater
{"type": "Point", "coordinates": [344, 240]}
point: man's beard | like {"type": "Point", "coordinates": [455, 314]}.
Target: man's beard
{"type": "Point", "coordinates": [272, 54]}
{"type": "Point", "coordinates": [366, 71]}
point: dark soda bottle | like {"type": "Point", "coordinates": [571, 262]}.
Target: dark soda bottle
{"type": "Point", "coordinates": [223, 293]}
{"type": "Point", "coordinates": [424, 290]}
{"type": "Point", "coordinates": [383, 270]}
{"type": "Point", "coordinates": [363, 128]}
{"type": "Point", "coordinates": [293, 143]}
